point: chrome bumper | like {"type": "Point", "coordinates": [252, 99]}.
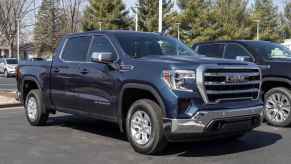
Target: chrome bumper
{"type": "Point", "coordinates": [202, 119]}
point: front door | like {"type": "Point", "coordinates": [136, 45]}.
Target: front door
{"type": "Point", "coordinates": [96, 85]}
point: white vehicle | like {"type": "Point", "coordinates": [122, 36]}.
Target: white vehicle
{"type": "Point", "coordinates": [7, 66]}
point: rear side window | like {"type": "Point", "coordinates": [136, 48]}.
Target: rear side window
{"type": "Point", "coordinates": [211, 50]}
{"type": "Point", "coordinates": [234, 50]}
{"type": "Point", "coordinates": [76, 49]}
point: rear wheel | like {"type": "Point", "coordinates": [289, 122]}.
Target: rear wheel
{"type": "Point", "coordinates": [34, 109]}
{"type": "Point", "coordinates": [144, 127]}
{"type": "Point", "coordinates": [278, 107]}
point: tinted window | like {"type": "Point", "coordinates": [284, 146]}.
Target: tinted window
{"type": "Point", "coordinates": [76, 49]}
{"type": "Point", "coordinates": [271, 51]}
{"type": "Point", "coordinates": [11, 61]}
{"type": "Point", "coordinates": [147, 44]}
{"type": "Point", "coordinates": [211, 50]}
{"type": "Point", "coordinates": [102, 44]}
{"type": "Point", "coordinates": [234, 50]}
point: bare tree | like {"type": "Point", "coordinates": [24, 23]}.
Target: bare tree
{"type": "Point", "coordinates": [12, 11]}
{"type": "Point", "coordinates": [71, 9]}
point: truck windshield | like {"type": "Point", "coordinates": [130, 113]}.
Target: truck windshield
{"type": "Point", "coordinates": [11, 61]}
{"type": "Point", "coordinates": [271, 51]}
{"type": "Point", "coordinates": [148, 44]}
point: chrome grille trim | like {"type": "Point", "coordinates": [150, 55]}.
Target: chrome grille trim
{"type": "Point", "coordinates": [223, 83]}
{"type": "Point", "coordinates": [202, 85]}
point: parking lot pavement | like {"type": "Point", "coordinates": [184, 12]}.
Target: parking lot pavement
{"type": "Point", "coordinates": [7, 84]}
{"type": "Point", "coordinates": [67, 139]}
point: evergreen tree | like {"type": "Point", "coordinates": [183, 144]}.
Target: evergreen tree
{"type": "Point", "coordinates": [287, 21]}
{"type": "Point", "coordinates": [214, 20]}
{"type": "Point", "coordinates": [49, 27]}
{"type": "Point", "coordinates": [148, 12]}
{"type": "Point", "coordinates": [232, 17]}
{"type": "Point", "coordinates": [197, 21]}
{"type": "Point", "coordinates": [110, 14]}
{"type": "Point", "coordinates": [267, 14]}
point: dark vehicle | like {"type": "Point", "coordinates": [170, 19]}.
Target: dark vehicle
{"type": "Point", "coordinates": [36, 59]}
{"type": "Point", "coordinates": [275, 63]}
{"type": "Point", "coordinates": [154, 87]}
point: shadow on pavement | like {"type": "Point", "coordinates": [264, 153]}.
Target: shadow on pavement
{"type": "Point", "coordinates": [97, 127]}
{"type": "Point", "coordinates": [253, 140]}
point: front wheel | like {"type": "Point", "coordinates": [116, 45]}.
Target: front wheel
{"type": "Point", "coordinates": [6, 73]}
{"type": "Point", "coordinates": [278, 107]}
{"type": "Point", "coordinates": [34, 109]}
{"type": "Point", "coordinates": [144, 127]}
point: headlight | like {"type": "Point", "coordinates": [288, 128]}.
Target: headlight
{"type": "Point", "coordinates": [182, 80]}
{"type": "Point", "coordinates": [10, 67]}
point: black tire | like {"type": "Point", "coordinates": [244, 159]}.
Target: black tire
{"type": "Point", "coordinates": [6, 75]}
{"type": "Point", "coordinates": [157, 142]}
{"type": "Point", "coordinates": [41, 115]}
{"type": "Point", "coordinates": [284, 91]}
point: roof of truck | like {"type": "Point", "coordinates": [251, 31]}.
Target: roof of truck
{"type": "Point", "coordinates": [231, 41]}
{"type": "Point", "coordinates": [110, 32]}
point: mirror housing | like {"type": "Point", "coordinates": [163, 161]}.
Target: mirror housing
{"type": "Point", "coordinates": [244, 58]}
{"type": "Point", "coordinates": [102, 57]}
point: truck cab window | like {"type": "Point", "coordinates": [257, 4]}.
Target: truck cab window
{"type": "Point", "coordinates": [102, 44]}
{"type": "Point", "coordinates": [211, 50]}
{"type": "Point", "coordinates": [76, 49]}
{"type": "Point", "coordinates": [232, 51]}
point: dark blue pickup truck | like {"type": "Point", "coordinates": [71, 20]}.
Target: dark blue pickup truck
{"type": "Point", "coordinates": [154, 87]}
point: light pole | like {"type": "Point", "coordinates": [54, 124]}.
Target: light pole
{"type": "Point", "coordinates": [178, 30]}
{"type": "Point", "coordinates": [136, 17]}
{"type": "Point", "coordinates": [160, 15]}
{"type": "Point", "coordinates": [18, 38]}
{"type": "Point", "coordinates": [100, 25]}
{"type": "Point", "coordinates": [258, 29]}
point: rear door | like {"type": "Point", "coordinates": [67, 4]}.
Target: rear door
{"type": "Point", "coordinates": [214, 50]}
{"type": "Point", "coordinates": [96, 85]}
{"type": "Point", "coordinates": [65, 73]}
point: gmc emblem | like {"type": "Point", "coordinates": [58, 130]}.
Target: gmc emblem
{"type": "Point", "coordinates": [235, 78]}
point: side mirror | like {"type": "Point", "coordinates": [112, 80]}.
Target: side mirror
{"type": "Point", "coordinates": [244, 58]}
{"type": "Point", "coordinates": [102, 57]}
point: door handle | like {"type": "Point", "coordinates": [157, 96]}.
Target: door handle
{"type": "Point", "coordinates": [264, 67]}
{"type": "Point", "coordinates": [56, 70]}
{"type": "Point", "coordinates": [84, 71]}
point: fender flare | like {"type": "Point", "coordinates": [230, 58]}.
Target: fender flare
{"type": "Point", "coordinates": [276, 79]}
{"type": "Point", "coordinates": [145, 87]}
{"type": "Point", "coordinates": [28, 78]}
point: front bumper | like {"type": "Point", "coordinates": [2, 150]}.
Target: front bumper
{"type": "Point", "coordinates": [216, 122]}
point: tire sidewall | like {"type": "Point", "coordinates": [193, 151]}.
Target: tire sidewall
{"type": "Point", "coordinates": [35, 94]}
{"type": "Point", "coordinates": [285, 92]}
{"type": "Point", "coordinates": [6, 73]}
{"type": "Point", "coordinates": [142, 105]}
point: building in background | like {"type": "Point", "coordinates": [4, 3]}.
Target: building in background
{"type": "Point", "coordinates": [4, 48]}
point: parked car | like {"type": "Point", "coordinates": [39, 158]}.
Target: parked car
{"type": "Point", "coordinates": [154, 87]}
{"type": "Point", "coordinates": [275, 62]}
{"type": "Point", "coordinates": [7, 66]}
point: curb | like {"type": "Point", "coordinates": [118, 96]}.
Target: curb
{"type": "Point", "coordinates": [10, 105]}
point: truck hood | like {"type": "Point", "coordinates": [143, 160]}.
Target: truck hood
{"type": "Point", "coordinates": [191, 60]}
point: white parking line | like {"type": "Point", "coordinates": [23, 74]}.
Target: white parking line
{"type": "Point", "coordinates": [7, 84]}
{"type": "Point", "coordinates": [12, 108]}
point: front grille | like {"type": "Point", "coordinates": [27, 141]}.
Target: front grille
{"type": "Point", "coordinates": [221, 83]}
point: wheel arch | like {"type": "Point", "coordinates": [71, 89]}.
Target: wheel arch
{"type": "Point", "coordinates": [28, 83]}
{"type": "Point", "coordinates": [128, 88]}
